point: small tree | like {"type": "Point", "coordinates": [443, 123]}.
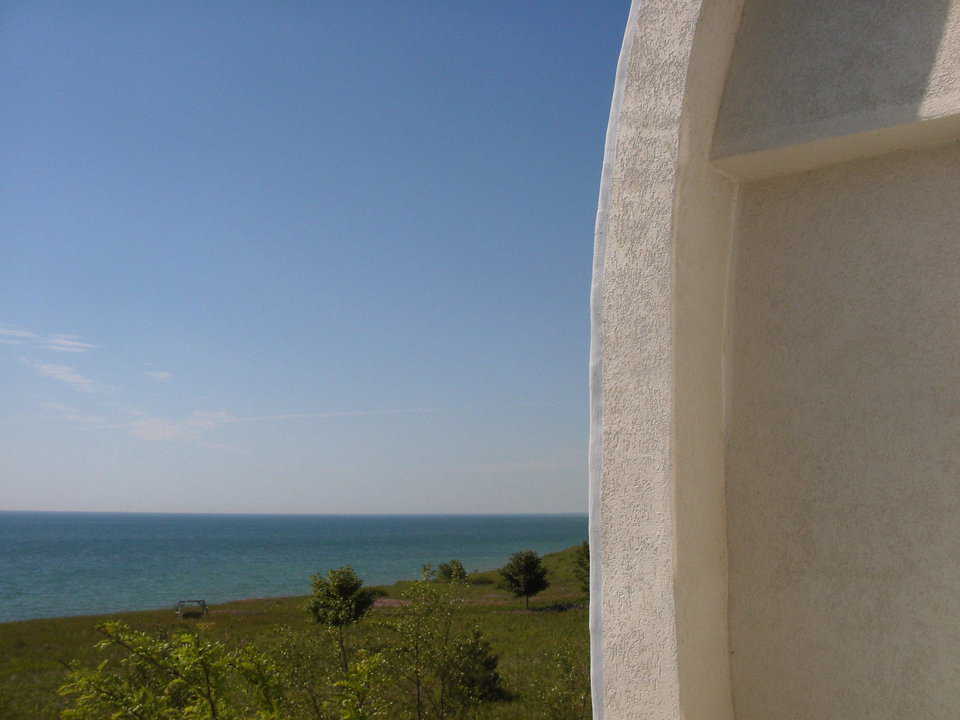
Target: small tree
{"type": "Point", "coordinates": [473, 668]}
{"type": "Point", "coordinates": [581, 567]}
{"type": "Point", "coordinates": [440, 671]}
{"type": "Point", "coordinates": [450, 571]}
{"type": "Point", "coordinates": [524, 575]}
{"type": "Point", "coordinates": [339, 599]}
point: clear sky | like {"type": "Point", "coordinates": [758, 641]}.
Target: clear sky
{"type": "Point", "coordinates": [319, 257]}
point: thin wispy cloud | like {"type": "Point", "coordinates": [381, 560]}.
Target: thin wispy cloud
{"type": "Point", "coordinates": [209, 419]}
{"type": "Point", "coordinates": [66, 343]}
{"type": "Point", "coordinates": [21, 334]}
{"type": "Point", "coordinates": [73, 415]}
{"type": "Point", "coordinates": [65, 374]}
{"type": "Point", "coordinates": [57, 342]}
{"type": "Point", "coordinates": [335, 414]}
{"type": "Point", "coordinates": [155, 429]}
{"type": "Point", "coordinates": [199, 422]}
{"type": "Point", "coordinates": [193, 425]}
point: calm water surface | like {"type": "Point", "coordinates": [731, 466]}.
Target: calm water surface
{"type": "Point", "coordinates": [55, 564]}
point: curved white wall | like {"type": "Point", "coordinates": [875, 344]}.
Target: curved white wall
{"type": "Point", "coordinates": [774, 433]}
{"type": "Point", "coordinates": [659, 602]}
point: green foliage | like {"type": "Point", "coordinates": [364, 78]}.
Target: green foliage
{"type": "Point", "coordinates": [309, 666]}
{"type": "Point", "coordinates": [308, 684]}
{"type": "Point", "coordinates": [581, 566]}
{"type": "Point", "coordinates": [421, 635]}
{"type": "Point", "coordinates": [361, 695]}
{"type": "Point", "coordinates": [480, 579]}
{"type": "Point", "coordinates": [524, 575]}
{"type": "Point", "coordinates": [183, 677]}
{"type": "Point", "coordinates": [451, 571]}
{"type": "Point", "coordinates": [567, 695]}
{"type": "Point", "coordinates": [262, 677]}
{"type": "Point", "coordinates": [338, 600]}
{"type": "Point", "coordinates": [473, 667]}
{"type": "Point", "coordinates": [428, 572]}
{"type": "Point", "coordinates": [440, 671]}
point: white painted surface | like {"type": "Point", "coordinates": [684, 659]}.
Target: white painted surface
{"type": "Point", "coordinates": [843, 468]}
{"type": "Point", "coordinates": [657, 504]}
{"type": "Point", "coordinates": [774, 365]}
{"type": "Point", "coordinates": [804, 71]}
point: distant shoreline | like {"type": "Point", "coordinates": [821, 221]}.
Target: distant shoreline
{"type": "Point", "coordinates": [78, 564]}
{"type": "Point", "coordinates": [303, 515]}
{"type": "Point", "coordinates": [252, 599]}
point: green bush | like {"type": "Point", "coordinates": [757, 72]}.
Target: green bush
{"type": "Point", "coordinates": [441, 672]}
{"type": "Point", "coordinates": [524, 575]}
{"type": "Point", "coordinates": [474, 666]}
{"type": "Point", "coordinates": [339, 599]}
{"type": "Point", "coordinates": [152, 677]}
{"type": "Point", "coordinates": [450, 571]}
{"type": "Point", "coordinates": [419, 657]}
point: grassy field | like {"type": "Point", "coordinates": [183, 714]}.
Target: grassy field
{"type": "Point", "coordinates": [543, 652]}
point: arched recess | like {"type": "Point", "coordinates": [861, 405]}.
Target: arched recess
{"type": "Point", "coordinates": [773, 364]}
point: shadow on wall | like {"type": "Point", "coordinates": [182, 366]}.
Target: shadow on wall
{"type": "Point", "coordinates": [803, 70]}
{"type": "Point", "coordinates": [841, 458]}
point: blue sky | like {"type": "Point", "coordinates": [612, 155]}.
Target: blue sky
{"type": "Point", "coordinates": [299, 257]}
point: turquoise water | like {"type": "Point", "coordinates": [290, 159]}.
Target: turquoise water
{"type": "Point", "coordinates": [55, 564]}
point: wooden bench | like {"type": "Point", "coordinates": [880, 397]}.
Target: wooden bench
{"type": "Point", "coordinates": [191, 608]}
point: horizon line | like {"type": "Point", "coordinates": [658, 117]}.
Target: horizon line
{"type": "Point", "coordinates": [297, 514]}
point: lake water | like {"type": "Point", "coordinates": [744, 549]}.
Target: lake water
{"type": "Point", "coordinates": [56, 564]}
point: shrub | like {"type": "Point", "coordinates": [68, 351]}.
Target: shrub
{"type": "Point", "coordinates": [152, 677]}
{"type": "Point", "coordinates": [339, 599]}
{"type": "Point", "coordinates": [524, 575]}
{"type": "Point", "coordinates": [450, 571]}
{"type": "Point", "coordinates": [475, 675]}
{"type": "Point", "coordinates": [439, 671]}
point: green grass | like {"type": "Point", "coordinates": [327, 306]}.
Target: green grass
{"type": "Point", "coordinates": [543, 653]}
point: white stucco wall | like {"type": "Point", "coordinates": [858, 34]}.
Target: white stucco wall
{"type": "Point", "coordinates": [773, 364]}
{"type": "Point", "coordinates": [843, 470]}
{"type": "Point", "coordinates": [632, 603]}
{"type": "Point", "coordinates": [659, 601]}
{"type": "Point", "coordinates": [826, 81]}
{"type": "Point", "coordinates": [804, 71]}
{"type": "Point", "coordinates": [703, 233]}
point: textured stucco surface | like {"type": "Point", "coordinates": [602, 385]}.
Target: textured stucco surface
{"type": "Point", "coordinates": [664, 231]}
{"type": "Point", "coordinates": [842, 463]}
{"type": "Point", "coordinates": [807, 70]}
{"type": "Point", "coordinates": [835, 149]}
{"type": "Point", "coordinates": [703, 220]}
{"type": "Point", "coordinates": [774, 379]}
{"type": "Point", "coordinates": [633, 331]}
